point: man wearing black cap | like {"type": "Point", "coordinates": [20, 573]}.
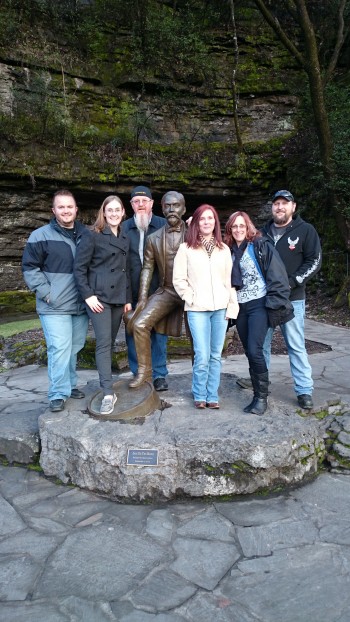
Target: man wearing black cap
{"type": "Point", "coordinates": [164, 308]}
{"type": "Point", "coordinates": [299, 247]}
{"type": "Point", "coordinates": [138, 228]}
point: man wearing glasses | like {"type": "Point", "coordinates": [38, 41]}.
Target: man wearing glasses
{"type": "Point", "coordinates": [138, 228]}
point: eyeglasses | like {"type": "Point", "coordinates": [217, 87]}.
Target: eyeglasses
{"type": "Point", "coordinates": [110, 210]}
{"type": "Point", "coordinates": [239, 227]}
{"type": "Point", "coordinates": [139, 201]}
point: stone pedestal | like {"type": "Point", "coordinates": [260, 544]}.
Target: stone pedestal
{"type": "Point", "coordinates": [200, 453]}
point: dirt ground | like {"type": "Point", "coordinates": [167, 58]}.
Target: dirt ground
{"type": "Point", "coordinates": [319, 307]}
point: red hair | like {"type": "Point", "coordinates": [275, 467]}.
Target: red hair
{"type": "Point", "coordinates": [192, 238]}
{"type": "Point", "coordinates": [252, 232]}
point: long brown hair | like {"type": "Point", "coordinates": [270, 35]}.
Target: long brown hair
{"type": "Point", "coordinates": [100, 222]}
{"type": "Point", "coordinates": [192, 238]}
{"type": "Point", "coordinates": [251, 234]}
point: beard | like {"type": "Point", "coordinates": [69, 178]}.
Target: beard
{"type": "Point", "coordinates": [142, 221]}
{"type": "Point", "coordinates": [173, 220]}
{"type": "Point", "coordinates": [280, 219]}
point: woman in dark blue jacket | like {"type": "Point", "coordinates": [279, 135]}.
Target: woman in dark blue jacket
{"type": "Point", "coordinates": [261, 281]}
{"type": "Point", "coordinates": [102, 275]}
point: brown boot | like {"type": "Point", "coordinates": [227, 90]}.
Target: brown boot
{"type": "Point", "coordinates": [142, 339]}
{"type": "Point", "coordinates": [144, 375]}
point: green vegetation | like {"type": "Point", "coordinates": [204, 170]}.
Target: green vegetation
{"type": "Point", "coordinates": [168, 51]}
{"type": "Point", "coordinates": [99, 84]}
{"type": "Point", "coordinates": [86, 357]}
{"type": "Point", "coordinates": [28, 353]}
{"type": "Point", "coordinates": [309, 178]}
{"type": "Point", "coordinates": [13, 328]}
{"type": "Point", "coordinates": [228, 471]}
{"type": "Point", "coordinates": [35, 467]}
{"type": "Point", "coordinates": [12, 302]}
{"type": "Point", "coordinates": [343, 462]}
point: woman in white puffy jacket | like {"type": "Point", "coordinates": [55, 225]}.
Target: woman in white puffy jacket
{"type": "Point", "coordinates": [202, 278]}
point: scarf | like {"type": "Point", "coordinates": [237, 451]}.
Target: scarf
{"type": "Point", "coordinates": [237, 254]}
{"type": "Point", "coordinates": [209, 245]}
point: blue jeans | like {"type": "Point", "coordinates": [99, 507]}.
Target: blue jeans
{"type": "Point", "coordinates": [208, 330]}
{"type": "Point", "coordinates": [65, 336]}
{"type": "Point", "coordinates": [294, 337]}
{"type": "Point", "coordinates": [106, 325]}
{"type": "Point", "coordinates": [158, 352]}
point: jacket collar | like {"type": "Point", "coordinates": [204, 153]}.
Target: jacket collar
{"type": "Point", "coordinates": [113, 239]}
{"type": "Point", "coordinates": [78, 228]}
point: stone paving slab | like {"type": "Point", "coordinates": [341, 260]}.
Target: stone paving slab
{"type": "Point", "coordinates": [92, 560]}
{"type": "Point", "coordinates": [268, 559]}
{"type": "Point", "coordinates": [303, 578]}
{"type": "Point", "coordinates": [309, 583]}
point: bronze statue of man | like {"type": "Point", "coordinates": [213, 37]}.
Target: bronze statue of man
{"type": "Point", "coordinates": [163, 310]}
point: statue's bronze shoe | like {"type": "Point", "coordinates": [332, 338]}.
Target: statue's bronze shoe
{"type": "Point", "coordinates": [139, 380]}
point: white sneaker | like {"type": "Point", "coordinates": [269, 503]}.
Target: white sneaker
{"type": "Point", "coordinates": [107, 405]}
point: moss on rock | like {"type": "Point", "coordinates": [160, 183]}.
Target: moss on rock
{"type": "Point", "coordinates": [12, 302]}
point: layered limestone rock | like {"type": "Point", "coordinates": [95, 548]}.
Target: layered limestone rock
{"type": "Point", "coordinates": [75, 125]}
{"type": "Point", "coordinates": [200, 453]}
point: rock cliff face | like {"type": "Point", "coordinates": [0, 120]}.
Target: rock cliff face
{"type": "Point", "coordinates": [75, 125]}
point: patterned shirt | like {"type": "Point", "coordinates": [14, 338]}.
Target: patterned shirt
{"type": "Point", "coordinates": [253, 283]}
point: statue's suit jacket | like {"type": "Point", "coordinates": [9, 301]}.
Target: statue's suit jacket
{"type": "Point", "coordinates": [156, 257]}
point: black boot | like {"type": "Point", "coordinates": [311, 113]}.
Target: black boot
{"type": "Point", "coordinates": [261, 387]}
{"type": "Point", "coordinates": [247, 408]}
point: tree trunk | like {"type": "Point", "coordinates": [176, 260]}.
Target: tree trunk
{"type": "Point", "coordinates": [233, 77]}
{"type": "Point", "coordinates": [309, 60]}
{"type": "Point", "coordinates": [313, 69]}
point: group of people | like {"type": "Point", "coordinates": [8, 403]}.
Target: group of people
{"type": "Point", "coordinates": [149, 270]}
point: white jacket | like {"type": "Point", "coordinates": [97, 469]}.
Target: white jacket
{"type": "Point", "coordinates": [204, 282]}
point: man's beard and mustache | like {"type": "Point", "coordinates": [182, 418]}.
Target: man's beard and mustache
{"type": "Point", "coordinates": [142, 221]}
{"type": "Point", "coordinates": [280, 219]}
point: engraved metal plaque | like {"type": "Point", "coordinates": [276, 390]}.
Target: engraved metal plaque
{"type": "Point", "coordinates": [142, 457]}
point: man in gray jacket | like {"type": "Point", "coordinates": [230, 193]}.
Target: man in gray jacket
{"type": "Point", "coordinates": [47, 266]}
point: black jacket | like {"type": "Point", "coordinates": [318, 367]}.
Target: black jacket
{"type": "Point", "coordinates": [274, 273]}
{"type": "Point", "coordinates": [101, 267]}
{"type": "Point", "coordinates": [130, 229]}
{"type": "Point", "coordinates": [278, 304]}
{"type": "Point", "coordinates": [300, 250]}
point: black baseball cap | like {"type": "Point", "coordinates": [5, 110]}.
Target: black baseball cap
{"type": "Point", "coordinates": [141, 191]}
{"type": "Point", "coordinates": [283, 193]}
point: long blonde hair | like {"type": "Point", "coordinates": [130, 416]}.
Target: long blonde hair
{"type": "Point", "coordinates": [100, 222]}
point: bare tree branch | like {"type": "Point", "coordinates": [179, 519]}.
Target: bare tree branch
{"type": "Point", "coordinates": [233, 77]}
{"type": "Point", "coordinates": [275, 25]}
{"type": "Point", "coordinates": [314, 72]}
{"type": "Point", "coordinates": [339, 42]}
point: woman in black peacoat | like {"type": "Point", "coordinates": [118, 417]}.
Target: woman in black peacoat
{"type": "Point", "coordinates": [102, 275]}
